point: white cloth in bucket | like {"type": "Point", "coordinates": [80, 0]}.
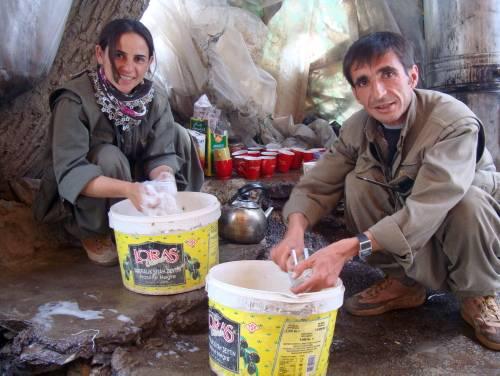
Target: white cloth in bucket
{"type": "Point", "coordinates": [160, 198]}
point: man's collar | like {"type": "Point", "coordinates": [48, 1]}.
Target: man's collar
{"type": "Point", "coordinates": [411, 114]}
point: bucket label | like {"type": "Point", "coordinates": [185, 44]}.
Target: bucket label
{"type": "Point", "coordinates": [270, 344]}
{"type": "Point", "coordinates": [157, 264]}
{"type": "Point", "coordinates": [223, 340]}
{"type": "Point", "coordinates": [300, 346]}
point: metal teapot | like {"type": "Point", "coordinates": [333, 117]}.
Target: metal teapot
{"type": "Point", "coordinates": [244, 221]}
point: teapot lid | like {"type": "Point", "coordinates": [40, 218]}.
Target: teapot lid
{"type": "Point", "coordinates": [246, 204]}
{"type": "Point", "coordinates": [242, 198]}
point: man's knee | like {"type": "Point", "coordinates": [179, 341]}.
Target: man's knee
{"type": "Point", "coordinates": [470, 207]}
{"type": "Point", "coordinates": [113, 162]}
{"type": "Point", "coordinates": [359, 192]}
{"type": "Point", "coordinates": [365, 203]}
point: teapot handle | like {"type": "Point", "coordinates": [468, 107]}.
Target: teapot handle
{"type": "Point", "coordinates": [243, 191]}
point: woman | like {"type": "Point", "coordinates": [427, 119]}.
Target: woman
{"type": "Point", "coordinates": [111, 128]}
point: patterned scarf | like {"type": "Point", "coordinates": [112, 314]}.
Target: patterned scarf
{"type": "Point", "coordinates": [125, 111]}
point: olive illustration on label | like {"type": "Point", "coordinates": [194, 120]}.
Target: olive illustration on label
{"type": "Point", "coordinates": [192, 265]}
{"type": "Point", "coordinates": [250, 357]}
{"type": "Point", "coordinates": [254, 357]}
{"type": "Point", "coordinates": [127, 267]}
{"type": "Point", "coordinates": [252, 368]}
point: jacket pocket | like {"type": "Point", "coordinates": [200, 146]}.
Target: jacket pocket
{"type": "Point", "coordinates": [366, 166]}
{"type": "Point", "coordinates": [408, 169]}
{"type": "Point", "coordinates": [405, 178]}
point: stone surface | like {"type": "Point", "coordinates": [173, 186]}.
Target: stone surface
{"type": "Point", "coordinates": [63, 315]}
{"type": "Point", "coordinates": [22, 238]}
{"type": "Point", "coordinates": [179, 355]}
{"type": "Point", "coordinates": [235, 252]}
{"type": "Point", "coordinates": [72, 308]}
{"type": "Point", "coordinates": [57, 307]}
{"type": "Point", "coordinates": [429, 340]}
{"type": "Point", "coordinates": [278, 187]}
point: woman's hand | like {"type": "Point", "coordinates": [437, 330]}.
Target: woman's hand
{"type": "Point", "coordinates": [326, 265]}
{"type": "Point", "coordinates": [293, 239]}
{"type": "Point", "coordinates": [162, 173]}
{"type": "Point", "coordinates": [106, 187]}
{"type": "Point", "coordinates": [135, 193]}
{"type": "Point", "coordinates": [141, 198]}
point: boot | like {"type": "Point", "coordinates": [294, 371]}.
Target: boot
{"type": "Point", "coordinates": [386, 295]}
{"type": "Point", "coordinates": [101, 250]}
{"type": "Point", "coordinates": [483, 314]}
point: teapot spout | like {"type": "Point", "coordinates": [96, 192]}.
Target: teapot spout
{"type": "Point", "coordinates": [268, 211]}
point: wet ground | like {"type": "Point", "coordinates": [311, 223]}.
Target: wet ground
{"type": "Point", "coordinates": [62, 315]}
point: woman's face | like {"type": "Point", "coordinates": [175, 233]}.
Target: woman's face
{"type": "Point", "coordinates": [131, 60]}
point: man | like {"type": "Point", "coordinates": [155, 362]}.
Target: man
{"type": "Point", "coordinates": [419, 191]}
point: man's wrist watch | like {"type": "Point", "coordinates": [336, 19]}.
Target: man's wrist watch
{"type": "Point", "coordinates": [365, 246]}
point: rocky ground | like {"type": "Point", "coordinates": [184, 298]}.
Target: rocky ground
{"type": "Point", "coordinates": [62, 315]}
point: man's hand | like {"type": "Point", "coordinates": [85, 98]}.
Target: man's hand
{"type": "Point", "coordinates": [326, 265]}
{"type": "Point", "coordinates": [293, 239]}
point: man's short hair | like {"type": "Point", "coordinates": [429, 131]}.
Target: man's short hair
{"type": "Point", "coordinates": [374, 45]}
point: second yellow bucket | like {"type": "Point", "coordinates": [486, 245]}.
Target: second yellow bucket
{"type": "Point", "coordinates": [258, 327]}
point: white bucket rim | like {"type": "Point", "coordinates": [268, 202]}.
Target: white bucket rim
{"type": "Point", "coordinates": [214, 205]}
{"type": "Point", "coordinates": [250, 299]}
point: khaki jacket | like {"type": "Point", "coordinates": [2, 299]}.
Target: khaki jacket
{"type": "Point", "coordinates": [438, 149]}
{"type": "Point", "coordinates": [78, 124]}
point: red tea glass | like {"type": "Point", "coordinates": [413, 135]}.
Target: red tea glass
{"type": "Point", "coordinates": [223, 169]}
{"type": "Point", "coordinates": [285, 159]}
{"type": "Point", "coordinates": [267, 166]}
{"type": "Point", "coordinates": [251, 167]}
{"type": "Point", "coordinates": [298, 155]}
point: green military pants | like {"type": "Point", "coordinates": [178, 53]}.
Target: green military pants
{"type": "Point", "coordinates": [90, 215]}
{"type": "Point", "coordinates": [463, 255]}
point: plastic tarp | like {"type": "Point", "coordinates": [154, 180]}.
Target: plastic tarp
{"type": "Point", "coordinates": [308, 39]}
{"type": "Point", "coordinates": [257, 59]}
{"type": "Point", "coordinates": [211, 47]}
{"type": "Point", "coordinates": [30, 34]}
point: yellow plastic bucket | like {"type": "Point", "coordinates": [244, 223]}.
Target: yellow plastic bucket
{"type": "Point", "coordinates": [168, 254]}
{"type": "Point", "coordinates": [258, 327]}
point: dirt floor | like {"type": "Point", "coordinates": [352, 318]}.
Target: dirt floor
{"type": "Point", "coordinates": [62, 315]}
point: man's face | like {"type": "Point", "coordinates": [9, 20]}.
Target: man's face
{"type": "Point", "coordinates": [384, 88]}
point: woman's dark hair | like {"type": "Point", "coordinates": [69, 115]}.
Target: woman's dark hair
{"type": "Point", "coordinates": [115, 29]}
{"type": "Point", "coordinates": [374, 45]}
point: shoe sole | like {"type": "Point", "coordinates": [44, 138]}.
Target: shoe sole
{"type": "Point", "coordinates": [106, 263]}
{"type": "Point", "coordinates": [107, 257]}
{"type": "Point", "coordinates": [482, 339]}
{"type": "Point", "coordinates": [400, 303]}
{"type": "Point", "coordinates": [103, 260]}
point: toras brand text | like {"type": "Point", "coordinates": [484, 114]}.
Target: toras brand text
{"type": "Point", "coordinates": [150, 257]}
{"type": "Point", "coordinates": [219, 328]}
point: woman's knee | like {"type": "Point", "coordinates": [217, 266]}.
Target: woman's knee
{"type": "Point", "coordinates": [182, 139]}
{"type": "Point", "coordinates": [113, 162]}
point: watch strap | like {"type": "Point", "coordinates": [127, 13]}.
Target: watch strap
{"type": "Point", "coordinates": [365, 246]}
